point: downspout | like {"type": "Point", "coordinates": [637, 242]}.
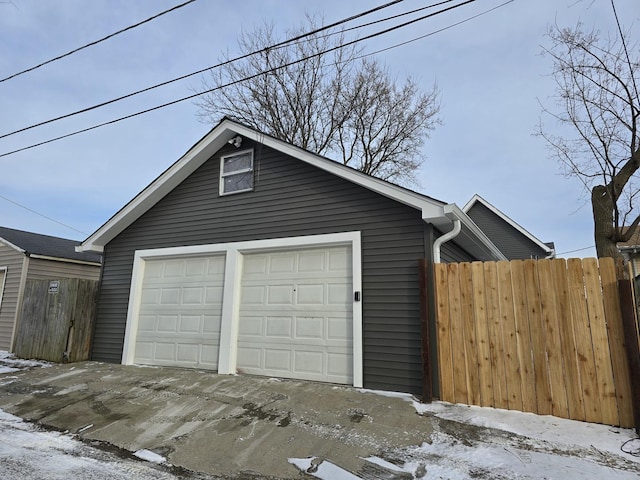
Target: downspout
{"type": "Point", "coordinates": [457, 226]}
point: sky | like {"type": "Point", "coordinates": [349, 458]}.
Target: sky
{"type": "Point", "coordinates": [489, 70]}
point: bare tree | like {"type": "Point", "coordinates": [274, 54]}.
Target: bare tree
{"type": "Point", "coordinates": [335, 102]}
{"type": "Point", "coordinates": [597, 97]}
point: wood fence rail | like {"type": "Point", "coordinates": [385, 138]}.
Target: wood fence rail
{"type": "Point", "coordinates": [541, 336]}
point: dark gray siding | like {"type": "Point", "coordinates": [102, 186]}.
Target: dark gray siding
{"type": "Point", "coordinates": [513, 244]}
{"type": "Point", "coordinates": [291, 198]}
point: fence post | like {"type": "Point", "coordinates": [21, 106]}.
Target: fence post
{"type": "Point", "coordinates": [424, 268]}
{"type": "Point", "coordinates": [629, 324]}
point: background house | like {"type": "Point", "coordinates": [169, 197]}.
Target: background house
{"type": "Point", "coordinates": [25, 257]}
{"type": "Point", "coordinates": [630, 250]}
{"type": "Point", "coordinates": [250, 255]}
{"type": "Point", "coordinates": [514, 242]}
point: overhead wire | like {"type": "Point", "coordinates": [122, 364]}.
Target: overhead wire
{"type": "Point", "coordinates": [250, 77]}
{"type": "Point", "coordinates": [75, 50]}
{"type": "Point", "coordinates": [421, 37]}
{"type": "Point", "coordinates": [281, 44]}
{"type": "Point", "coordinates": [42, 215]}
{"type": "Point", "coordinates": [164, 83]}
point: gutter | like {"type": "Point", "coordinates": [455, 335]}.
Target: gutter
{"type": "Point", "coordinates": [452, 214]}
{"type": "Point", "coordinates": [457, 227]}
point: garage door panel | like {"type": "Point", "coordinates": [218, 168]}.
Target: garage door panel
{"type": "Point", "coordinates": [311, 294]}
{"type": "Point", "coordinates": [339, 328]}
{"type": "Point", "coordinates": [281, 327]}
{"type": "Point", "coordinates": [249, 360]}
{"type": "Point", "coordinates": [277, 361]}
{"type": "Point", "coordinates": [180, 312]}
{"type": "Point", "coordinates": [282, 263]}
{"type": "Point", "coordinates": [296, 314]}
{"type": "Point", "coordinates": [280, 294]}
{"type": "Point", "coordinates": [190, 324]}
{"type": "Point", "coordinates": [251, 326]}
{"type": "Point", "coordinates": [310, 328]}
{"type": "Point", "coordinates": [312, 261]}
{"type": "Point", "coordinates": [166, 324]}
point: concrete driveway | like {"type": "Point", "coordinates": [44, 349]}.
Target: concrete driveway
{"type": "Point", "coordinates": [236, 426]}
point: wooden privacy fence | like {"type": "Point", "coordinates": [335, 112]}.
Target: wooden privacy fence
{"type": "Point", "coordinates": [542, 336]}
{"type": "Point", "coordinates": [57, 318]}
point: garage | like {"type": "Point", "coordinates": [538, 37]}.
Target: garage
{"type": "Point", "coordinates": [286, 308]}
{"type": "Point", "coordinates": [296, 315]}
{"type": "Point", "coordinates": [180, 312]}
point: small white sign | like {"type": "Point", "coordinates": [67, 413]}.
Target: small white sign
{"type": "Point", "coordinates": [53, 286]}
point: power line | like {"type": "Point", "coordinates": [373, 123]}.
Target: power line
{"type": "Point", "coordinates": [42, 215]}
{"type": "Point", "coordinates": [266, 49]}
{"type": "Point", "coordinates": [96, 41]}
{"type": "Point", "coordinates": [189, 97]}
{"type": "Point", "coordinates": [577, 250]}
{"type": "Point", "coordinates": [436, 31]}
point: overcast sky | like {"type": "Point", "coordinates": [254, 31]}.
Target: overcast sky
{"type": "Point", "coordinates": [489, 70]}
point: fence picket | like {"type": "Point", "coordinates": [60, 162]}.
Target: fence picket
{"type": "Point", "coordinates": [496, 342]}
{"type": "Point", "coordinates": [523, 338]}
{"type": "Point", "coordinates": [549, 304]}
{"type": "Point", "coordinates": [543, 389]}
{"type": "Point", "coordinates": [602, 357]}
{"type": "Point", "coordinates": [469, 326]}
{"type": "Point", "coordinates": [615, 330]}
{"type": "Point", "coordinates": [482, 335]}
{"type": "Point", "coordinates": [443, 322]}
{"type": "Point", "coordinates": [575, 402]}
{"type": "Point", "coordinates": [584, 343]}
{"type": "Point", "coordinates": [511, 363]}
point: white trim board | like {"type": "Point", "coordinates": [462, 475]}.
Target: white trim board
{"type": "Point", "coordinates": [478, 199]}
{"type": "Point", "coordinates": [432, 210]}
{"type": "Point", "coordinates": [231, 297]}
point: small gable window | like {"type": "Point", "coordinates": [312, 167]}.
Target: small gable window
{"type": "Point", "coordinates": [236, 173]}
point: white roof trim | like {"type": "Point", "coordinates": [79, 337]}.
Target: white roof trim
{"type": "Point", "coordinates": [478, 199]}
{"type": "Point", "coordinates": [65, 260]}
{"type": "Point", "coordinates": [432, 210]}
{"type": "Point", "coordinates": [11, 245]}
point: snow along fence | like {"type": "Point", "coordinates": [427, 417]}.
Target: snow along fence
{"type": "Point", "coordinates": [541, 336]}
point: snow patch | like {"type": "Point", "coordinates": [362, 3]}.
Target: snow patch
{"type": "Point", "coordinates": [5, 369]}
{"type": "Point", "coordinates": [541, 428]}
{"type": "Point", "coordinates": [74, 388]}
{"type": "Point", "coordinates": [322, 469]}
{"type": "Point", "coordinates": [10, 361]}
{"type": "Point", "coordinates": [150, 456]}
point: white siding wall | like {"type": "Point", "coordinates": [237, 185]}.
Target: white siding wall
{"type": "Point", "coordinates": [13, 261]}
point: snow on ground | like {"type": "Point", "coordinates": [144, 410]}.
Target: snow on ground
{"type": "Point", "coordinates": [9, 363]}
{"type": "Point", "coordinates": [507, 445]}
{"type": "Point", "coordinates": [29, 453]}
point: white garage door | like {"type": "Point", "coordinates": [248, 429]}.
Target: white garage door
{"type": "Point", "coordinates": [180, 312]}
{"type": "Point", "coordinates": [296, 315]}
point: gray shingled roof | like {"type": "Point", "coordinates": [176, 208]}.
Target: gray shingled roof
{"type": "Point", "coordinates": [37, 244]}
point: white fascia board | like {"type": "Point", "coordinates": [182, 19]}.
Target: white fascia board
{"type": "Point", "coordinates": [209, 145]}
{"type": "Point", "coordinates": [11, 245]}
{"type": "Point", "coordinates": [395, 192]}
{"type": "Point", "coordinates": [154, 192]}
{"type": "Point", "coordinates": [478, 199]}
{"type": "Point", "coordinates": [452, 211]}
{"type": "Point", "coordinates": [66, 260]}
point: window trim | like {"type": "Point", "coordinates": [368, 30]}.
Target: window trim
{"type": "Point", "coordinates": [224, 174]}
{"type": "Point", "coordinates": [3, 281]}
